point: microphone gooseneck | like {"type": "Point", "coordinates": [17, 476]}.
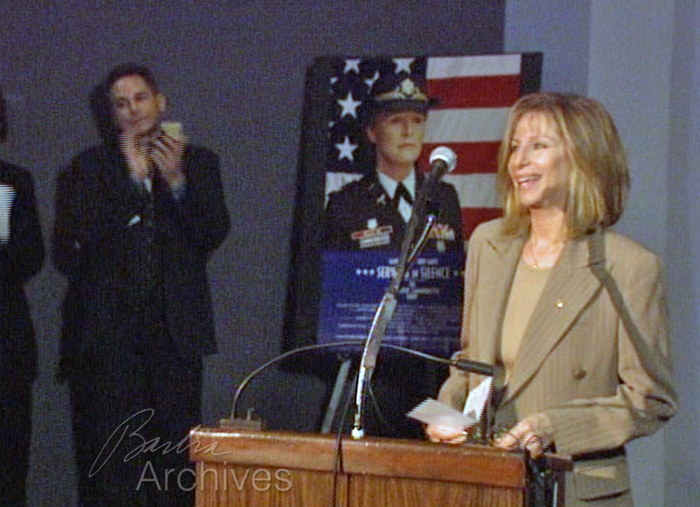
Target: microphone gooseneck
{"type": "Point", "coordinates": [459, 363]}
{"type": "Point", "coordinates": [442, 160]}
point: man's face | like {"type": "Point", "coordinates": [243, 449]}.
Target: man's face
{"type": "Point", "coordinates": [136, 107]}
{"type": "Point", "coordinates": [398, 137]}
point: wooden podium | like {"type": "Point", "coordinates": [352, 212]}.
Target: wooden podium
{"type": "Point", "coordinates": [276, 469]}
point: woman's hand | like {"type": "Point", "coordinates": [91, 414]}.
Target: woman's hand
{"type": "Point", "coordinates": [442, 434]}
{"type": "Point", "coordinates": [533, 434]}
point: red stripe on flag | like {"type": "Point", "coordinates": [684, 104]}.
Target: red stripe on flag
{"type": "Point", "coordinates": [472, 158]}
{"type": "Point", "coordinates": [472, 92]}
{"type": "Point", "coordinates": [472, 217]}
{"type": "Point", "coordinates": [481, 91]}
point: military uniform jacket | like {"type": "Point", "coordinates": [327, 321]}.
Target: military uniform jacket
{"type": "Point", "coordinates": [100, 217]}
{"type": "Point", "coordinates": [361, 215]}
{"type": "Point", "coordinates": [600, 385]}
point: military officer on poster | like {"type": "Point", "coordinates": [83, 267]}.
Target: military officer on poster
{"type": "Point", "coordinates": [373, 212]}
{"type": "Point", "coordinates": [364, 223]}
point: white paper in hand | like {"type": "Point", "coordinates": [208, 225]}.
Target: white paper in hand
{"type": "Point", "coordinates": [476, 401]}
{"type": "Point", "coordinates": [433, 412]}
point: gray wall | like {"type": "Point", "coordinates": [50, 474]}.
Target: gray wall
{"type": "Point", "coordinates": [234, 72]}
{"type": "Point", "coordinates": [682, 478]}
{"type": "Point", "coordinates": [640, 58]}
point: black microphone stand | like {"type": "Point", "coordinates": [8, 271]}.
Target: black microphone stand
{"type": "Point", "coordinates": [387, 306]}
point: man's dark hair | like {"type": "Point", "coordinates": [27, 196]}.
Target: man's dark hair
{"type": "Point", "coordinates": [3, 118]}
{"type": "Point", "coordinates": [130, 69]}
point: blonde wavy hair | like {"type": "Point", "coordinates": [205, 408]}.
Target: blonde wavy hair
{"type": "Point", "coordinates": [599, 178]}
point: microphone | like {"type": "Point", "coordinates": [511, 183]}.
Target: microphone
{"type": "Point", "coordinates": [442, 161]}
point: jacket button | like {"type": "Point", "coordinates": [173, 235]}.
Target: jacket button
{"type": "Point", "coordinates": [579, 373]}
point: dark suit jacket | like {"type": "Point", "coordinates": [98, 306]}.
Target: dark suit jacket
{"type": "Point", "coordinates": [21, 258]}
{"type": "Point", "coordinates": [600, 385]}
{"type": "Point", "coordinates": [100, 217]}
{"type": "Point", "coordinates": [350, 208]}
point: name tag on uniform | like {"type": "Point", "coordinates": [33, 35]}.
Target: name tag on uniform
{"type": "Point", "coordinates": [378, 236]}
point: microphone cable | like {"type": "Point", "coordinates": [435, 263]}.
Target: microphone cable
{"type": "Point", "coordinates": [468, 365]}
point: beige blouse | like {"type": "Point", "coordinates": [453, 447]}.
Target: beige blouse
{"type": "Point", "coordinates": [527, 287]}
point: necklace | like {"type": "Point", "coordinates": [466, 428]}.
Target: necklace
{"type": "Point", "coordinates": [541, 255]}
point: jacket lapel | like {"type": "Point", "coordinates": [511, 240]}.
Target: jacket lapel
{"type": "Point", "coordinates": [568, 291]}
{"type": "Point", "coordinates": [500, 252]}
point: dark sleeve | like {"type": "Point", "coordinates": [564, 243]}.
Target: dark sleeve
{"type": "Point", "coordinates": [340, 218]}
{"type": "Point", "coordinates": [22, 256]}
{"type": "Point", "coordinates": [456, 212]}
{"type": "Point", "coordinates": [449, 210]}
{"type": "Point", "coordinates": [95, 209]}
{"type": "Point", "coordinates": [333, 236]}
{"type": "Point", "coordinates": [201, 209]}
{"type": "Point", "coordinates": [69, 242]}
{"type": "Point", "coordinates": [66, 250]}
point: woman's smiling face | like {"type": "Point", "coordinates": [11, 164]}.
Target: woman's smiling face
{"type": "Point", "coordinates": [538, 163]}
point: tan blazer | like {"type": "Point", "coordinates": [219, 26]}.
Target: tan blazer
{"type": "Point", "coordinates": [600, 386]}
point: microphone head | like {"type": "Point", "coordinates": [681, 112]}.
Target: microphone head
{"type": "Point", "coordinates": [446, 155]}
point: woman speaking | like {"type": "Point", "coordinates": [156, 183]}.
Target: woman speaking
{"type": "Point", "coordinates": [575, 313]}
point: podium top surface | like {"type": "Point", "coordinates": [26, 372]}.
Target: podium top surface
{"type": "Point", "coordinates": [370, 456]}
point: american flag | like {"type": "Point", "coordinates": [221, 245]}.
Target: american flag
{"type": "Point", "coordinates": [474, 94]}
